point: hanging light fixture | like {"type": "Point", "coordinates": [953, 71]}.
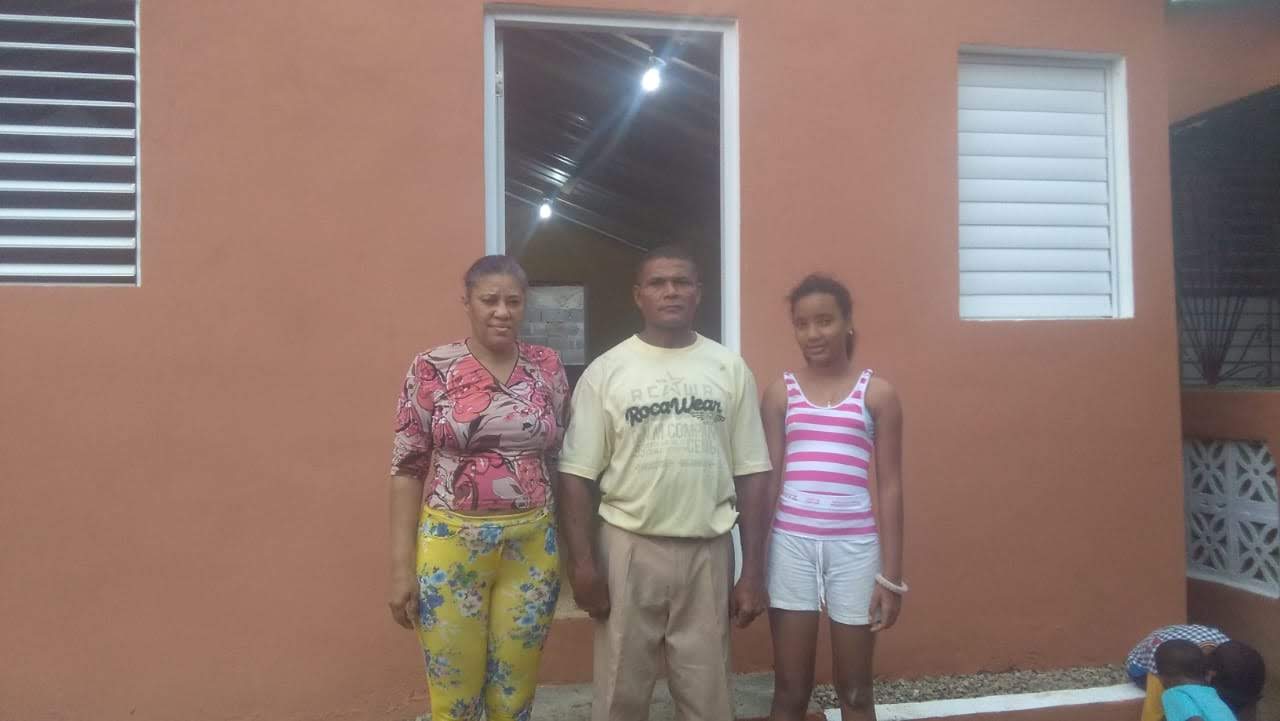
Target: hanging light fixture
{"type": "Point", "coordinates": [652, 78]}
{"type": "Point", "coordinates": [544, 210]}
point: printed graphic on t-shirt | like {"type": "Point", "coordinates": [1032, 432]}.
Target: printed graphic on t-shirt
{"type": "Point", "coordinates": [672, 413]}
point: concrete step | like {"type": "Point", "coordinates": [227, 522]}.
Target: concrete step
{"type": "Point", "coordinates": [753, 692]}
{"type": "Point", "coordinates": [1121, 702]}
{"type": "Point", "coordinates": [1119, 711]}
{"type": "Point", "coordinates": [572, 702]}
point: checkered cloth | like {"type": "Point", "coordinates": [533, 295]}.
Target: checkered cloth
{"type": "Point", "coordinates": [1142, 658]}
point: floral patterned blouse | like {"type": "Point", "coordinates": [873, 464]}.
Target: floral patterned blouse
{"type": "Point", "coordinates": [480, 444]}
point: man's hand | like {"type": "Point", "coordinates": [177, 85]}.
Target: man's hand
{"type": "Point", "coordinates": [748, 600]}
{"type": "Point", "coordinates": [885, 605]}
{"type": "Point", "coordinates": [590, 590]}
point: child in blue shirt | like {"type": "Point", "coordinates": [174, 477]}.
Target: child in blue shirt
{"type": "Point", "coordinates": [1181, 667]}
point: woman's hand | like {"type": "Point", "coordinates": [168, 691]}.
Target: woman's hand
{"type": "Point", "coordinates": [885, 605]}
{"type": "Point", "coordinates": [404, 599]}
{"type": "Point", "coordinates": [406, 504]}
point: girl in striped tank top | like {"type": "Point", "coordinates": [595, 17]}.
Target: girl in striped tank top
{"type": "Point", "coordinates": [826, 425]}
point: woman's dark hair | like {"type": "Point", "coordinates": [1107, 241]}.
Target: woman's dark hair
{"type": "Point", "coordinates": [817, 283]}
{"type": "Point", "coordinates": [494, 265]}
{"type": "Point", "coordinates": [1238, 673]}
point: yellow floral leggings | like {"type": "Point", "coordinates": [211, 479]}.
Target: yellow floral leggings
{"type": "Point", "coordinates": [487, 589]}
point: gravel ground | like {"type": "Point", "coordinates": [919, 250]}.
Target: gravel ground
{"type": "Point", "coordinates": [983, 684]}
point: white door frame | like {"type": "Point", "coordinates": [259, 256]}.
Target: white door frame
{"type": "Point", "coordinates": [494, 153]}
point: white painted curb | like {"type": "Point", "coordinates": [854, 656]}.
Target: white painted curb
{"type": "Point", "coordinates": [997, 704]}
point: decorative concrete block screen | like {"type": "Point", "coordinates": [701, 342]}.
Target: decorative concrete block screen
{"type": "Point", "coordinates": [555, 316]}
{"type": "Point", "coordinates": [1233, 514]}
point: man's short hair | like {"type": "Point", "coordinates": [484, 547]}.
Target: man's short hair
{"type": "Point", "coordinates": [668, 251]}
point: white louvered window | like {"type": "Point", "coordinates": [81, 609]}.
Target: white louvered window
{"type": "Point", "coordinates": [68, 141]}
{"type": "Point", "coordinates": [1043, 188]}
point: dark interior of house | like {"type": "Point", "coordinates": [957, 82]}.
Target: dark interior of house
{"type": "Point", "coordinates": [1225, 167]}
{"type": "Point", "coordinates": [621, 166]}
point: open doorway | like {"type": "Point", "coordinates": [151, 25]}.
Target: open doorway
{"type": "Point", "coordinates": [608, 136]}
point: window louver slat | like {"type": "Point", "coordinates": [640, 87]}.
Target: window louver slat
{"type": "Point", "coordinates": [64, 47]}
{"type": "Point", "coordinates": [37, 186]}
{"type": "Point", "coordinates": [1033, 191]}
{"type": "Point", "coordinates": [1029, 145]}
{"type": "Point", "coordinates": [37, 241]}
{"type": "Point", "coordinates": [61, 75]}
{"type": "Point", "coordinates": [67, 130]}
{"type": "Point", "coordinates": [61, 20]}
{"type": "Point", "coordinates": [66, 159]}
{"type": "Point", "coordinates": [1040, 236]}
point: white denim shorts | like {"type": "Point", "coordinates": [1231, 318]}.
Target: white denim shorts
{"type": "Point", "coordinates": [807, 574]}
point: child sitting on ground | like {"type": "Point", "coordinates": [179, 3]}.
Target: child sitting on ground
{"type": "Point", "coordinates": [1182, 670]}
{"type": "Point", "coordinates": [1238, 673]}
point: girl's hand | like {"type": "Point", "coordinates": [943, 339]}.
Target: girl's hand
{"type": "Point", "coordinates": [885, 605]}
{"type": "Point", "coordinates": [403, 599]}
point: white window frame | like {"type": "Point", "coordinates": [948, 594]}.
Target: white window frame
{"type": "Point", "coordinates": [137, 181]}
{"type": "Point", "coordinates": [730, 181]}
{"type": "Point", "coordinates": [1118, 169]}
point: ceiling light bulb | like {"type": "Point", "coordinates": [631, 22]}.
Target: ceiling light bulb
{"type": "Point", "coordinates": [544, 211]}
{"type": "Point", "coordinates": [651, 80]}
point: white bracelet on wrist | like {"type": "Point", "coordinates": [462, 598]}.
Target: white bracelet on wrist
{"type": "Point", "coordinates": [895, 587]}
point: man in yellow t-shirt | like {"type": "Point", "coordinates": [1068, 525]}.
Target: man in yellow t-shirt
{"type": "Point", "coordinates": [666, 425]}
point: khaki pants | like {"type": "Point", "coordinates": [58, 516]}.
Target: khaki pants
{"type": "Point", "coordinates": [669, 598]}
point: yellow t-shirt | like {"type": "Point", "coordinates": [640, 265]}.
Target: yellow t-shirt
{"type": "Point", "coordinates": [665, 430]}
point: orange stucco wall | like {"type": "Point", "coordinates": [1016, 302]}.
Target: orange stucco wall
{"type": "Point", "coordinates": [192, 508]}
{"type": "Point", "coordinates": [1221, 51]}
{"type": "Point", "coordinates": [1232, 415]}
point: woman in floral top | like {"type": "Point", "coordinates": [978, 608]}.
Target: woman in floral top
{"type": "Point", "coordinates": [475, 566]}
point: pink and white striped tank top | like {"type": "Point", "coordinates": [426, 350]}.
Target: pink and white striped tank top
{"type": "Point", "coordinates": [829, 453]}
